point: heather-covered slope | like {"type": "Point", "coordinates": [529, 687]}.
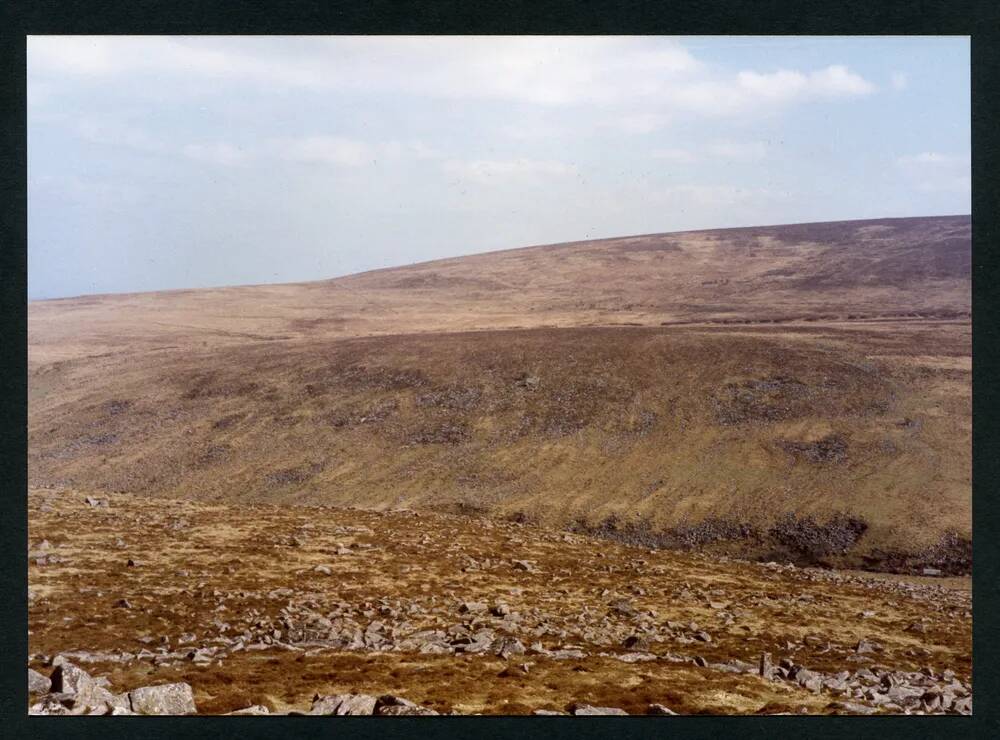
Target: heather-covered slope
{"type": "Point", "coordinates": [841, 433]}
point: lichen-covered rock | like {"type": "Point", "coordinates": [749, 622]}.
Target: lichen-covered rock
{"type": "Point", "coordinates": [340, 705]}
{"type": "Point", "coordinates": [37, 683]}
{"type": "Point", "coordinates": [70, 679]}
{"type": "Point", "coordinates": [396, 706]}
{"type": "Point", "coordinates": [170, 698]}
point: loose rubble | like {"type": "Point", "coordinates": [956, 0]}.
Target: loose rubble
{"type": "Point", "coordinates": [236, 589]}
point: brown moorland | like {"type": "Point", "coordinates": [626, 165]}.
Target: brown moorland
{"type": "Point", "coordinates": [257, 605]}
{"type": "Point", "coordinates": [797, 392]}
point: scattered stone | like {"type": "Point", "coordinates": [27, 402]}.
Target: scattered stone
{"type": "Point", "coordinates": [659, 709]}
{"type": "Point", "coordinates": [73, 681]}
{"type": "Point", "coordinates": [341, 705]}
{"type": "Point", "coordinates": [866, 646]}
{"type": "Point", "coordinates": [396, 706]}
{"type": "Point", "coordinates": [500, 610]}
{"type": "Point", "coordinates": [169, 699]}
{"type": "Point", "coordinates": [636, 642]}
{"type": "Point", "coordinates": [255, 709]}
{"type": "Point", "coordinates": [766, 667]}
{"type": "Point", "coordinates": [37, 683]}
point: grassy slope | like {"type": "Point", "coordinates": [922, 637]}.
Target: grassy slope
{"type": "Point", "coordinates": [366, 391]}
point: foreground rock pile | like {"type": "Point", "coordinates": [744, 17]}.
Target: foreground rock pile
{"type": "Point", "coordinates": [254, 609]}
{"type": "Point", "coordinates": [71, 690]}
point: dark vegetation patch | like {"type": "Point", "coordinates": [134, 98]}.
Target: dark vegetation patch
{"type": "Point", "coordinates": [456, 398]}
{"type": "Point", "coordinates": [214, 454]}
{"type": "Point", "coordinates": [952, 555]}
{"type": "Point", "coordinates": [811, 541]}
{"type": "Point", "coordinates": [641, 533]}
{"type": "Point", "coordinates": [829, 449]}
{"type": "Point", "coordinates": [98, 440]}
{"type": "Point", "coordinates": [287, 476]}
{"type": "Point", "coordinates": [764, 400]}
{"type": "Point", "coordinates": [440, 434]}
{"type": "Point", "coordinates": [227, 421]}
{"type": "Point", "coordinates": [118, 406]}
{"type": "Point", "coordinates": [378, 378]}
{"type": "Point", "coordinates": [352, 416]}
{"type": "Point", "coordinates": [214, 385]}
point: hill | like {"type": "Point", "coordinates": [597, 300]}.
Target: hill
{"type": "Point", "coordinates": [796, 391]}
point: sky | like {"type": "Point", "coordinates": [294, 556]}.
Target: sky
{"type": "Point", "coordinates": [180, 162]}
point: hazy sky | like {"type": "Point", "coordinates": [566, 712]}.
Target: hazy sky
{"type": "Point", "coordinates": [172, 162]}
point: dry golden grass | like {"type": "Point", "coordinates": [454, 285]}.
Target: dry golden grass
{"type": "Point", "coordinates": [197, 565]}
{"type": "Point", "coordinates": [413, 386]}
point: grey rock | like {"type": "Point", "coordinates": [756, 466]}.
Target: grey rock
{"type": "Point", "coordinates": [866, 646]}
{"type": "Point", "coordinates": [636, 642]}
{"type": "Point", "coordinates": [165, 699]}
{"type": "Point", "coordinates": [37, 683]}
{"type": "Point", "coordinates": [256, 709]}
{"type": "Point", "coordinates": [659, 709]}
{"type": "Point", "coordinates": [341, 705]}
{"type": "Point", "coordinates": [70, 679]}
{"type": "Point", "coordinates": [396, 706]}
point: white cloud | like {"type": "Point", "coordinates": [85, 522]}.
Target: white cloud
{"type": "Point", "coordinates": [785, 85]}
{"type": "Point", "coordinates": [899, 80]}
{"type": "Point", "coordinates": [485, 171]}
{"type": "Point", "coordinates": [839, 80]}
{"type": "Point", "coordinates": [219, 153]}
{"type": "Point", "coordinates": [648, 78]}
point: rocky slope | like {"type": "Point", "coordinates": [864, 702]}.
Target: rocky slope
{"type": "Point", "coordinates": [140, 605]}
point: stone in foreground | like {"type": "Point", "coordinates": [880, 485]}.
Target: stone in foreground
{"type": "Point", "coordinates": [170, 698]}
{"type": "Point", "coordinates": [342, 705]}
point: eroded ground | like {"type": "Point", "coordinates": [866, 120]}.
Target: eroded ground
{"type": "Point", "coordinates": [255, 604]}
